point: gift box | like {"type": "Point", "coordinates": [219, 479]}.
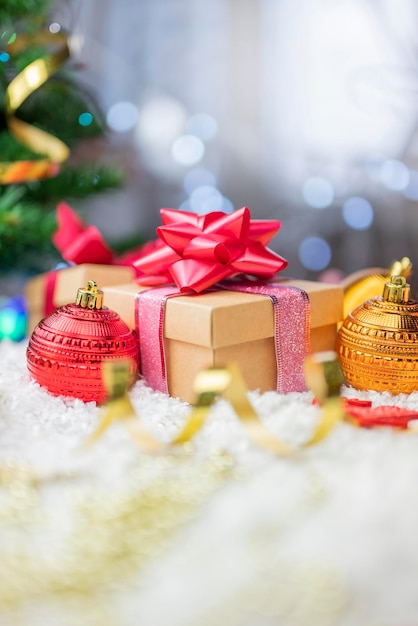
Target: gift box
{"type": "Point", "coordinates": [46, 292]}
{"type": "Point", "coordinates": [217, 327]}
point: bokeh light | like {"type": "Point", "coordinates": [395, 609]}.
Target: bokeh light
{"type": "Point", "coordinates": [331, 275]}
{"type": "Point", "coordinates": [358, 213]}
{"type": "Point", "coordinates": [411, 190]}
{"type": "Point", "coordinates": [394, 175]}
{"type": "Point", "coordinates": [85, 119]}
{"type": "Point", "coordinates": [206, 199]}
{"type": "Point", "coordinates": [188, 150]}
{"type": "Point", "coordinates": [122, 117]}
{"type": "Point", "coordinates": [196, 177]}
{"type": "Point", "coordinates": [202, 204]}
{"type": "Point", "coordinates": [202, 125]}
{"type": "Point", "coordinates": [13, 319]}
{"type": "Point", "coordinates": [4, 57]}
{"type": "Point", "coordinates": [318, 192]}
{"type": "Point", "coordinates": [185, 206]}
{"type": "Point", "coordinates": [62, 265]}
{"type": "Point", "coordinates": [161, 120]}
{"type": "Point", "coordinates": [54, 28]}
{"type": "Point", "coordinates": [227, 206]}
{"type": "Point", "coordinates": [315, 253]}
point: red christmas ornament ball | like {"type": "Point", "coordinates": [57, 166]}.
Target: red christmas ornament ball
{"type": "Point", "coordinates": [67, 348]}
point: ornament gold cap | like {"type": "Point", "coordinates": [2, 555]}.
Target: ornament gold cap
{"type": "Point", "coordinates": [396, 290]}
{"type": "Point", "coordinates": [90, 297]}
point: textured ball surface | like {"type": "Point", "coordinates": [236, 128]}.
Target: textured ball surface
{"type": "Point", "coordinates": [377, 346]}
{"type": "Point", "coordinates": [67, 348]}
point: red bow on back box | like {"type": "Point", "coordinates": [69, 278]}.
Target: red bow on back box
{"type": "Point", "coordinates": [195, 252]}
{"type": "Point", "coordinates": [80, 244]}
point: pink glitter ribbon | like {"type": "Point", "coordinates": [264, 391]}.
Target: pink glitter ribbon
{"type": "Point", "coordinates": [291, 331]}
{"type": "Point", "coordinates": [149, 322]}
{"type": "Point", "coordinates": [292, 323]}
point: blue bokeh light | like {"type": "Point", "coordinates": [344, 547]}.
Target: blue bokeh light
{"type": "Point", "coordinates": [122, 117]}
{"type": "Point", "coordinates": [394, 175]}
{"type": "Point", "coordinates": [13, 319]}
{"type": "Point", "coordinates": [197, 177]}
{"type": "Point", "coordinates": [358, 213]}
{"type": "Point", "coordinates": [411, 190]}
{"type": "Point", "coordinates": [206, 199]}
{"type": "Point", "coordinates": [202, 125]}
{"type": "Point", "coordinates": [315, 253]}
{"type": "Point", "coordinates": [227, 206]}
{"type": "Point", "coordinates": [188, 150]}
{"type": "Point", "coordinates": [318, 192]}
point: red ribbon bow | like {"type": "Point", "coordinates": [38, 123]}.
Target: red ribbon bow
{"type": "Point", "coordinates": [195, 252]}
{"type": "Point", "coordinates": [78, 243]}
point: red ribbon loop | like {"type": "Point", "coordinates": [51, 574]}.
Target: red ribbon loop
{"type": "Point", "coordinates": [199, 251]}
{"type": "Point", "coordinates": [78, 243]}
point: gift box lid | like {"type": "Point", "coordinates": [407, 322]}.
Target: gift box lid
{"type": "Point", "coordinates": [68, 280]}
{"type": "Point", "coordinates": [222, 318]}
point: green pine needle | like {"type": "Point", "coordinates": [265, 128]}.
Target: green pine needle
{"type": "Point", "coordinates": [12, 11]}
{"type": "Point", "coordinates": [27, 211]}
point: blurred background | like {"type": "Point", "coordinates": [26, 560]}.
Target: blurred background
{"type": "Point", "coordinates": [303, 110]}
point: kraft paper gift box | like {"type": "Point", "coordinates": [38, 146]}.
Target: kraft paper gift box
{"type": "Point", "coordinates": [215, 328]}
{"type": "Point", "coordinates": [64, 284]}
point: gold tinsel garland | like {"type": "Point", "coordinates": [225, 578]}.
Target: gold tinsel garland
{"type": "Point", "coordinates": [27, 81]}
{"type": "Point", "coordinates": [111, 538]}
{"type": "Point", "coordinates": [322, 374]}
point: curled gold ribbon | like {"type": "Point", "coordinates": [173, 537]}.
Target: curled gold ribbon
{"type": "Point", "coordinates": [323, 377]}
{"type": "Point", "coordinates": [27, 81]}
{"type": "Point", "coordinates": [119, 407]}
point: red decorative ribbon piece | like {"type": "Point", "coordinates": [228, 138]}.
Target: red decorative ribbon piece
{"type": "Point", "coordinates": [77, 242]}
{"type": "Point", "coordinates": [198, 251]}
{"type": "Point", "coordinates": [363, 414]}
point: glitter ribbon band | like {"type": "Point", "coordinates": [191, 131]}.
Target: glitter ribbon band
{"type": "Point", "coordinates": [149, 322]}
{"type": "Point", "coordinates": [28, 80]}
{"type": "Point", "coordinates": [292, 341]}
{"type": "Point", "coordinates": [291, 331]}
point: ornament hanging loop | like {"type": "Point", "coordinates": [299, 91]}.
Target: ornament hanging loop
{"type": "Point", "coordinates": [397, 290]}
{"type": "Point", "coordinates": [90, 297]}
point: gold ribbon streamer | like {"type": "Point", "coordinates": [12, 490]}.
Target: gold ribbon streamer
{"type": "Point", "coordinates": [27, 81]}
{"type": "Point", "coordinates": [322, 374]}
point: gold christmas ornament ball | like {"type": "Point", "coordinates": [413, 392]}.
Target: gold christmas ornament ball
{"type": "Point", "coordinates": [377, 344]}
